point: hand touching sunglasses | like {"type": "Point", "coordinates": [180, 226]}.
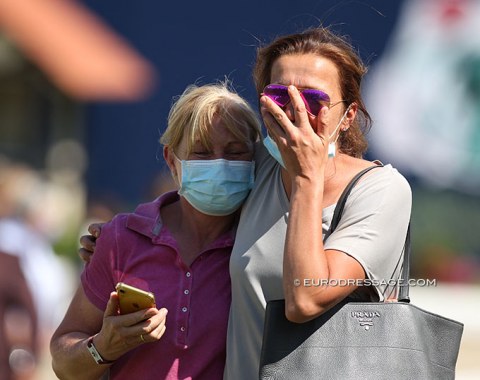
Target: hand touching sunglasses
{"type": "Point", "coordinates": [314, 99]}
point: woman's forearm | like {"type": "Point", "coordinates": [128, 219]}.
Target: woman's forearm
{"type": "Point", "coordinates": [72, 360]}
{"type": "Point", "coordinates": [310, 272]}
{"type": "Point", "coordinates": [304, 256]}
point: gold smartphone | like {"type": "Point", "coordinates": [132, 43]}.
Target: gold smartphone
{"type": "Point", "coordinates": [132, 299]}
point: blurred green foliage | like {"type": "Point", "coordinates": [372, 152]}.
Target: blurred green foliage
{"type": "Point", "coordinates": [445, 235]}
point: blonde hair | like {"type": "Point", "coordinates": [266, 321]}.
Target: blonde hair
{"type": "Point", "coordinates": [192, 115]}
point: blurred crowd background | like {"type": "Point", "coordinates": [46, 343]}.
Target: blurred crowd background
{"type": "Point", "coordinates": [85, 89]}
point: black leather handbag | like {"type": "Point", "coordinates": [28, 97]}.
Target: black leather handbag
{"type": "Point", "coordinates": [361, 340]}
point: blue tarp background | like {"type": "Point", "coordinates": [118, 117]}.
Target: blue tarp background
{"type": "Point", "coordinates": [191, 42]}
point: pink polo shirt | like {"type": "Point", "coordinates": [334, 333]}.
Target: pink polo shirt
{"type": "Point", "coordinates": [139, 250]}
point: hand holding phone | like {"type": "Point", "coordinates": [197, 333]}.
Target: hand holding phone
{"type": "Point", "coordinates": [132, 299]}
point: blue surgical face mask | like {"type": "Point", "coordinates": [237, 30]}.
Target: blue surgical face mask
{"type": "Point", "coordinates": [272, 148]}
{"type": "Point", "coordinates": [216, 187]}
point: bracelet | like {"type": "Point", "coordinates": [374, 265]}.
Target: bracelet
{"type": "Point", "coordinates": [95, 355]}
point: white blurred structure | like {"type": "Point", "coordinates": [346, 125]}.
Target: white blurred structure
{"type": "Point", "coordinates": [48, 277]}
{"type": "Point", "coordinates": [424, 94]}
{"type": "Point", "coordinates": [32, 211]}
{"type": "Point", "coordinates": [461, 303]}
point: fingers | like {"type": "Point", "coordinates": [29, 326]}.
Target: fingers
{"type": "Point", "coordinates": [273, 117]}
{"type": "Point", "coordinates": [122, 333]}
{"type": "Point", "coordinates": [321, 128]}
{"type": "Point", "coordinates": [154, 328]}
{"type": "Point", "coordinates": [299, 109]}
{"type": "Point", "coordinates": [132, 319]}
{"type": "Point", "coordinates": [280, 123]}
{"type": "Point", "coordinates": [134, 329]}
{"type": "Point", "coordinates": [95, 229]}
{"type": "Point", "coordinates": [87, 243]}
{"type": "Point", "coordinates": [85, 255]}
{"type": "Point", "coordinates": [112, 305]}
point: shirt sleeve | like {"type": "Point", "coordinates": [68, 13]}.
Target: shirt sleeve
{"type": "Point", "coordinates": [97, 277]}
{"type": "Point", "coordinates": [373, 227]}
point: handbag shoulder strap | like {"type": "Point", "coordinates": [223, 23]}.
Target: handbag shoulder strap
{"type": "Point", "coordinates": [337, 214]}
{"type": "Point", "coordinates": [403, 295]}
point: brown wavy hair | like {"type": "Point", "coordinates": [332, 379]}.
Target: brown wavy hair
{"type": "Point", "coordinates": [323, 42]}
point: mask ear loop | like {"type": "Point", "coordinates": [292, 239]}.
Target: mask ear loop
{"type": "Point", "coordinates": [175, 176]}
{"type": "Point", "coordinates": [332, 145]}
{"type": "Point", "coordinates": [346, 112]}
{"type": "Point", "coordinates": [339, 124]}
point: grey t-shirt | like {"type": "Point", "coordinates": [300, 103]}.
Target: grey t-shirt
{"type": "Point", "coordinates": [372, 230]}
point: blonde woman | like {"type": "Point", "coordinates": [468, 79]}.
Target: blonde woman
{"type": "Point", "coordinates": [177, 247]}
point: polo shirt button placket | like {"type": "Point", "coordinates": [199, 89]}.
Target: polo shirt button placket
{"type": "Point", "coordinates": [185, 309]}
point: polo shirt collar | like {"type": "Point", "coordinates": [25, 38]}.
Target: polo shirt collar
{"type": "Point", "coordinates": [146, 220]}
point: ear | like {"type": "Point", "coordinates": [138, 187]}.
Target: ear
{"type": "Point", "coordinates": [351, 114]}
{"type": "Point", "coordinates": [169, 158]}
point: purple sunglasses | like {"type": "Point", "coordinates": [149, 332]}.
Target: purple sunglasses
{"type": "Point", "coordinates": [314, 100]}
